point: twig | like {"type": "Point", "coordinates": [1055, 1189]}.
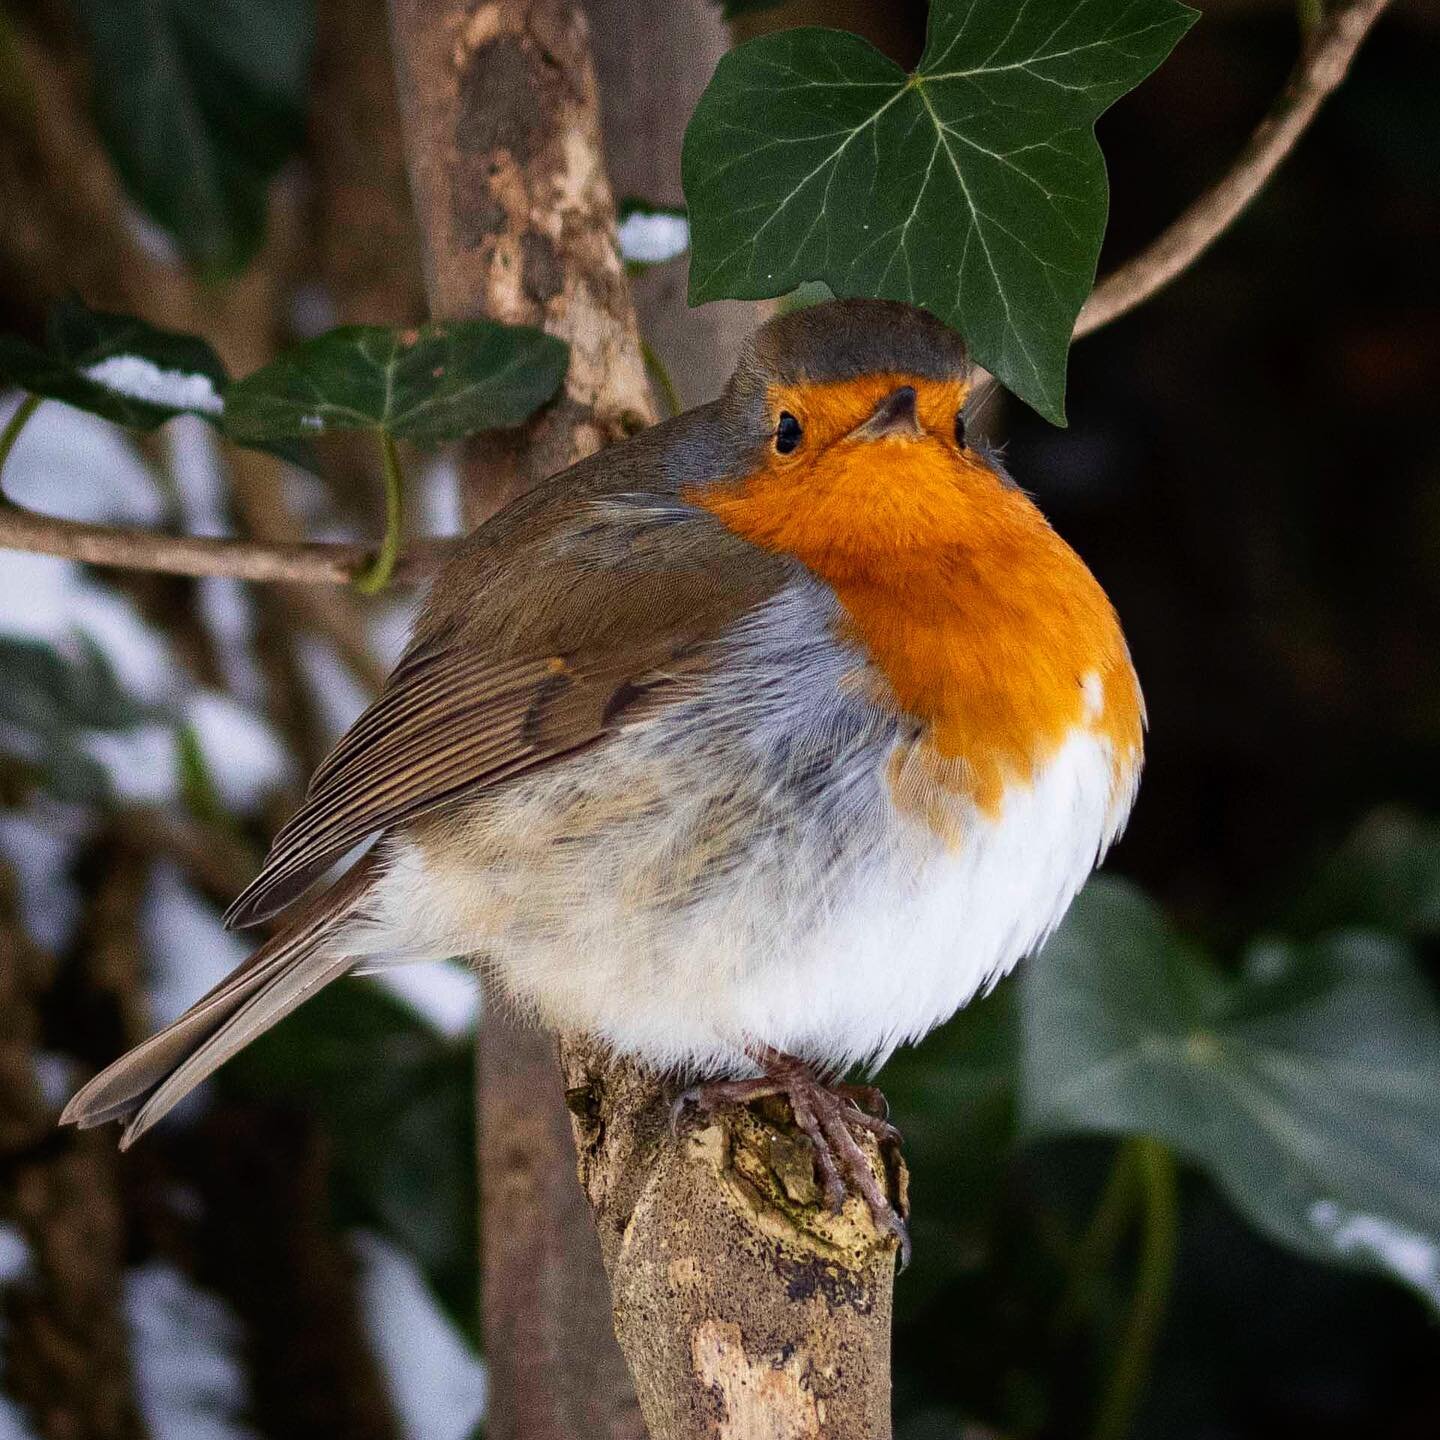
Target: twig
{"type": "Point", "coordinates": [1159, 1188]}
{"type": "Point", "coordinates": [312, 563]}
{"type": "Point", "coordinates": [378, 575]}
{"type": "Point", "coordinates": [656, 366]}
{"type": "Point", "coordinates": [14, 425]}
{"type": "Point", "coordinates": [1323, 65]}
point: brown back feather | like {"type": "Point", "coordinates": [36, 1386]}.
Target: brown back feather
{"type": "Point", "coordinates": [574, 612]}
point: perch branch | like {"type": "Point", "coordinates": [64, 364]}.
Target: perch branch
{"type": "Point", "coordinates": [131, 549]}
{"type": "Point", "coordinates": [1323, 64]}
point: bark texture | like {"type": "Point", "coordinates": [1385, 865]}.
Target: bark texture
{"type": "Point", "coordinates": [66, 1360]}
{"type": "Point", "coordinates": [653, 63]}
{"type": "Point", "coordinates": [743, 1309]}
{"type": "Point", "coordinates": [747, 1310]}
{"type": "Point", "coordinates": [517, 223]}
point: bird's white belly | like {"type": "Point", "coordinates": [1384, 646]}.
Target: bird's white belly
{"type": "Point", "coordinates": [838, 965]}
{"type": "Point", "coordinates": [913, 937]}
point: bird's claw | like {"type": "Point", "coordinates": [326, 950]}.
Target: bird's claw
{"type": "Point", "coordinates": [826, 1116]}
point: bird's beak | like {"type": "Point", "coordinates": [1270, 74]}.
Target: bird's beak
{"type": "Point", "coordinates": [894, 418]}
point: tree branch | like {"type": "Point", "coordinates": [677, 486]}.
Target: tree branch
{"type": "Point", "coordinates": [313, 563]}
{"type": "Point", "coordinates": [1323, 65]}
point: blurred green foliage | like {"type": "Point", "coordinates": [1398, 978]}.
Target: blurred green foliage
{"type": "Point", "coordinates": [199, 106]}
{"type": "Point", "coordinates": [50, 702]}
{"type": "Point", "coordinates": [398, 1103]}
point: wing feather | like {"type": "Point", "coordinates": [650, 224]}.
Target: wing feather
{"type": "Point", "coordinates": [467, 726]}
{"type": "Point", "coordinates": [562, 620]}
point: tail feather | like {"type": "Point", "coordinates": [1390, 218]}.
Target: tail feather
{"type": "Point", "coordinates": [145, 1084]}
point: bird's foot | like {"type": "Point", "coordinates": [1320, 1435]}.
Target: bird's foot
{"type": "Point", "coordinates": [828, 1116]}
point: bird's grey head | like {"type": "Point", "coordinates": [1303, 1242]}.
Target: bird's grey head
{"type": "Point", "coordinates": [822, 345]}
{"type": "Point", "coordinates": [845, 339]}
{"type": "Point", "coordinates": [832, 343]}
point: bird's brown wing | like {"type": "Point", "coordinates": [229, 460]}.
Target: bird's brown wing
{"type": "Point", "coordinates": [522, 660]}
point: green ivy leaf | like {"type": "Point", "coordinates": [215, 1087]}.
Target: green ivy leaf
{"type": "Point", "coordinates": [116, 367]}
{"type": "Point", "coordinates": [199, 105]}
{"type": "Point", "coordinates": [1387, 874]}
{"type": "Point", "coordinates": [731, 8]}
{"type": "Point", "coordinates": [47, 693]}
{"type": "Point", "coordinates": [441, 382]}
{"type": "Point", "coordinates": [974, 186]}
{"type": "Point", "coordinates": [1308, 1089]}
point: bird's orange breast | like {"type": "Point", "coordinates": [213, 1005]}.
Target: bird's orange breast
{"type": "Point", "coordinates": [979, 620]}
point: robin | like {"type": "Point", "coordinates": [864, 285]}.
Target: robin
{"type": "Point", "coordinates": [755, 746]}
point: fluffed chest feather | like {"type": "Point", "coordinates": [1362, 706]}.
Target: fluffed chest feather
{"type": "Point", "coordinates": [777, 858]}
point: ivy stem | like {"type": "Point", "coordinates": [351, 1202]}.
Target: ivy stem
{"type": "Point", "coordinates": [657, 368]}
{"type": "Point", "coordinates": [1159, 1221]}
{"type": "Point", "coordinates": [376, 576]}
{"type": "Point", "coordinates": [11, 433]}
{"type": "Point", "coordinates": [1093, 1251]}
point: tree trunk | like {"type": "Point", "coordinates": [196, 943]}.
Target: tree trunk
{"type": "Point", "coordinates": [653, 62]}
{"type": "Point", "coordinates": [746, 1309]}
{"type": "Point", "coordinates": [517, 223]}
{"type": "Point", "coordinates": [66, 1361]}
{"type": "Point", "coordinates": [743, 1308]}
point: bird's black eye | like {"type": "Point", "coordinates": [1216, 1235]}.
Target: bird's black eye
{"type": "Point", "coordinates": [787, 433]}
{"type": "Point", "coordinates": [960, 430]}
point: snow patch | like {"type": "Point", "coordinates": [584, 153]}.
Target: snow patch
{"type": "Point", "coordinates": [137, 652]}
{"type": "Point", "coordinates": [244, 757]}
{"type": "Point", "coordinates": [194, 454]}
{"type": "Point", "coordinates": [40, 846]}
{"type": "Point", "coordinates": [142, 765]}
{"type": "Point", "coordinates": [228, 613]}
{"type": "Point", "coordinates": [650, 238]}
{"type": "Point", "coordinates": [151, 239]}
{"type": "Point", "coordinates": [13, 1425]}
{"type": "Point", "coordinates": [338, 696]}
{"type": "Point", "coordinates": [1408, 1255]}
{"type": "Point", "coordinates": [140, 379]}
{"type": "Point", "coordinates": [437, 1383]}
{"type": "Point", "coordinates": [312, 310]}
{"type": "Point", "coordinates": [50, 600]}
{"type": "Point", "coordinates": [439, 495]}
{"type": "Point", "coordinates": [80, 467]}
{"type": "Point", "coordinates": [185, 1347]}
{"type": "Point", "coordinates": [14, 1257]}
{"type": "Point", "coordinates": [446, 997]}
{"type": "Point", "coordinates": [15, 1269]}
{"type": "Point", "coordinates": [390, 627]}
{"type": "Point", "coordinates": [54, 1078]}
{"type": "Point", "coordinates": [188, 948]}
{"type": "Point", "coordinates": [225, 607]}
